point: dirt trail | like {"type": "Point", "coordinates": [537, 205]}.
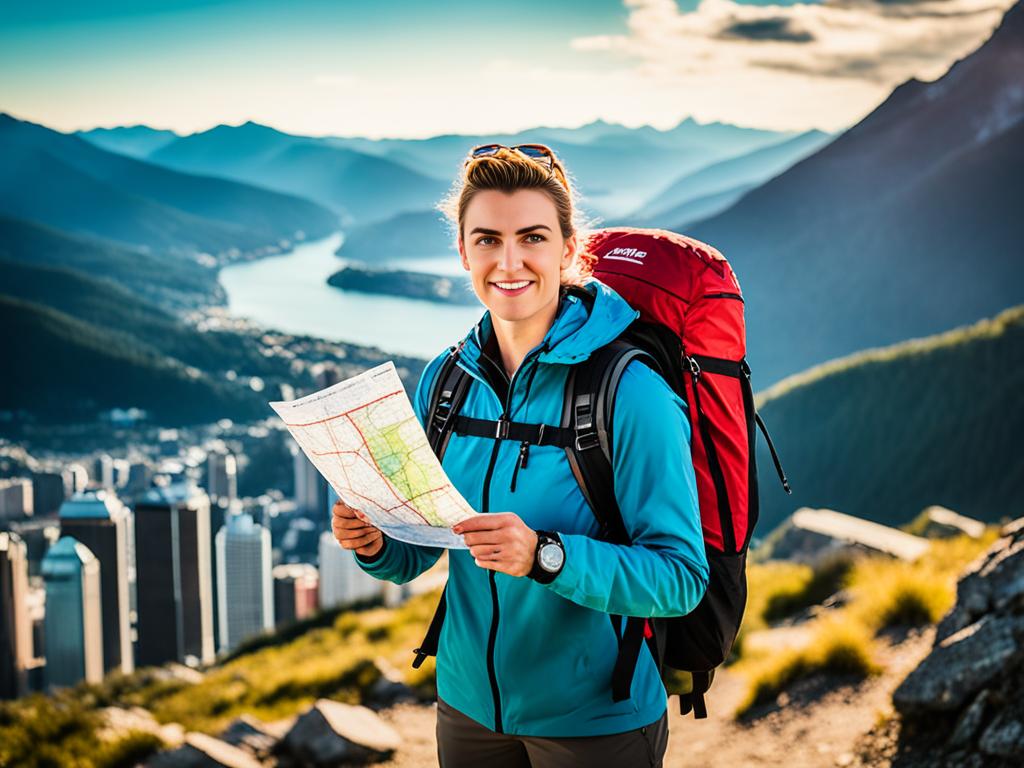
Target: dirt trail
{"type": "Point", "coordinates": [816, 726]}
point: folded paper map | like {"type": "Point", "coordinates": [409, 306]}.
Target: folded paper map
{"type": "Point", "coordinates": [364, 438]}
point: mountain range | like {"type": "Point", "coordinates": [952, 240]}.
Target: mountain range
{"type": "Point", "coordinates": [906, 224]}
{"type": "Point", "coordinates": [63, 181]}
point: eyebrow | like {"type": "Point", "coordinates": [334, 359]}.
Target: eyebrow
{"type": "Point", "coordinates": [522, 231]}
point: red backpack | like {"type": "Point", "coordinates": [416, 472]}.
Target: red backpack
{"type": "Point", "coordinates": [691, 331]}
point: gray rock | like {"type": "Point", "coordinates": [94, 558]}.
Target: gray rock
{"type": "Point", "coordinates": [250, 734]}
{"type": "Point", "coordinates": [332, 734]}
{"type": "Point", "coordinates": [970, 721]}
{"type": "Point", "coordinates": [202, 751]}
{"type": "Point", "coordinates": [961, 665]}
{"type": "Point", "coordinates": [1004, 737]}
{"type": "Point", "coordinates": [388, 689]}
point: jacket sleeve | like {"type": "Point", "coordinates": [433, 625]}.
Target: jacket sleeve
{"type": "Point", "coordinates": [665, 571]}
{"type": "Point", "coordinates": [399, 561]}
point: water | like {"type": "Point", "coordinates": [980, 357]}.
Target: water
{"type": "Point", "coordinates": [290, 293]}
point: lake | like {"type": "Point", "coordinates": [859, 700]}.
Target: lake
{"type": "Point", "coordinates": [290, 293]}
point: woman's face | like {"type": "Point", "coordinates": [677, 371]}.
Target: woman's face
{"type": "Point", "coordinates": [515, 239]}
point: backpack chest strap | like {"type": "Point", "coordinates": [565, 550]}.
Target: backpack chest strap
{"type": "Point", "coordinates": [502, 429]}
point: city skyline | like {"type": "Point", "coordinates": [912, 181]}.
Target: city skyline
{"type": "Point", "coordinates": [400, 69]}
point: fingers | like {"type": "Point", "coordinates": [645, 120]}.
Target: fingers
{"type": "Point", "coordinates": [358, 542]}
{"type": "Point", "coordinates": [486, 537]}
{"type": "Point", "coordinates": [489, 522]}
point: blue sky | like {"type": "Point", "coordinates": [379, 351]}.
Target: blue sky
{"type": "Point", "coordinates": [413, 69]}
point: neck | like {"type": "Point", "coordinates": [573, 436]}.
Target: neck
{"type": "Point", "coordinates": [517, 337]}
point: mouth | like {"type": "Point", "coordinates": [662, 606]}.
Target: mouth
{"type": "Point", "coordinates": [512, 287]}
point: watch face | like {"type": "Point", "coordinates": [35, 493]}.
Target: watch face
{"type": "Point", "coordinates": [551, 557]}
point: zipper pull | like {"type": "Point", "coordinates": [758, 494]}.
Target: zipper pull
{"type": "Point", "coordinates": [524, 451]}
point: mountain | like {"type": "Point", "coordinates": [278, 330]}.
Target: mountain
{"type": "Point", "coordinates": [415, 235]}
{"type": "Point", "coordinates": [358, 186]}
{"type": "Point", "coordinates": [110, 307]}
{"type": "Point", "coordinates": [137, 141]}
{"type": "Point", "coordinates": [65, 182]}
{"type": "Point", "coordinates": [906, 224]}
{"type": "Point", "coordinates": [70, 370]}
{"type": "Point", "coordinates": [884, 433]}
{"type": "Point", "coordinates": [683, 215]}
{"type": "Point", "coordinates": [751, 168]}
{"type": "Point", "coordinates": [164, 281]}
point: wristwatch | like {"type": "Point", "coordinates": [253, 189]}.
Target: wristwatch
{"type": "Point", "coordinates": [549, 558]}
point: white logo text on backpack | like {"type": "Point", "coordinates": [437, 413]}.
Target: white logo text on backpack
{"type": "Point", "coordinates": [631, 255]}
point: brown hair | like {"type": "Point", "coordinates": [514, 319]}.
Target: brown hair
{"type": "Point", "coordinates": [508, 171]}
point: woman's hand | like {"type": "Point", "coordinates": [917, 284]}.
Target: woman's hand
{"type": "Point", "coordinates": [500, 541]}
{"type": "Point", "coordinates": [354, 532]}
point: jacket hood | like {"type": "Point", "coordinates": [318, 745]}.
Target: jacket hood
{"type": "Point", "coordinates": [575, 332]}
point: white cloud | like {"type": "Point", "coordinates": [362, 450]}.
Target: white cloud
{"type": "Point", "coordinates": [781, 66]}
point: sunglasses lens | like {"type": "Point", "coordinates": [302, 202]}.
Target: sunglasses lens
{"type": "Point", "coordinates": [537, 152]}
{"type": "Point", "coordinates": [485, 150]}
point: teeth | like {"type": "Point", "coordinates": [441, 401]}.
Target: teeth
{"type": "Point", "coordinates": [513, 286]}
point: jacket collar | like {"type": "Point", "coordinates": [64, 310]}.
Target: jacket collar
{"type": "Point", "coordinates": [575, 332]}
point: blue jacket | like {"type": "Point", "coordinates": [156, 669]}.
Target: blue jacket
{"type": "Point", "coordinates": [536, 660]}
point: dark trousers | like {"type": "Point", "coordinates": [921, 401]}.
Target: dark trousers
{"type": "Point", "coordinates": [464, 743]}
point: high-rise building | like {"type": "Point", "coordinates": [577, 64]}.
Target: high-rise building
{"type": "Point", "coordinates": [175, 592]}
{"type": "Point", "coordinates": [15, 498]}
{"type": "Point", "coordinates": [310, 486]}
{"type": "Point", "coordinates": [244, 580]}
{"type": "Point", "coordinates": [48, 493]}
{"type": "Point", "coordinates": [15, 621]}
{"type": "Point", "coordinates": [99, 520]}
{"type": "Point", "coordinates": [103, 471]}
{"type": "Point", "coordinates": [221, 476]}
{"type": "Point", "coordinates": [342, 581]}
{"type": "Point", "coordinates": [296, 592]}
{"type": "Point", "coordinates": [73, 635]}
{"type": "Point", "coordinates": [76, 479]}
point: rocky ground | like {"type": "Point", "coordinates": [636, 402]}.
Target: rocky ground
{"type": "Point", "coordinates": [817, 723]}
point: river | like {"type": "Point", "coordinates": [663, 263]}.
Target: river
{"type": "Point", "coordinates": [290, 293]}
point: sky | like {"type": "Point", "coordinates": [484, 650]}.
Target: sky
{"type": "Point", "coordinates": [411, 69]}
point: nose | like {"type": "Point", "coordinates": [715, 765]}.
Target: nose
{"type": "Point", "coordinates": [511, 260]}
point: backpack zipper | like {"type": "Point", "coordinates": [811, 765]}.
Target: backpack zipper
{"type": "Point", "coordinates": [723, 295]}
{"type": "Point", "coordinates": [495, 612]}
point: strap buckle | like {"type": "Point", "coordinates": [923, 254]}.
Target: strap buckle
{"type": "Point", "coordinates": [586, 435]}
{"type": "Point", "coordinates": [501, 429]}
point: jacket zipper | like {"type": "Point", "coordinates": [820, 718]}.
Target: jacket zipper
{"type": "Point", "coordinates": [493, 635]}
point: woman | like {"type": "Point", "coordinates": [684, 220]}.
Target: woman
{"type": "Point", "coordinates": [527, 649]}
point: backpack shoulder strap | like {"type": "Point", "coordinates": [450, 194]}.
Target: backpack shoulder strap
{"type": "Point", "coordinates": [588, 409]}
{"type": "Point", "coordinates": [447, 394]}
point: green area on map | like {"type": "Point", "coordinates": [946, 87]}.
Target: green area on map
{"type": "Point", "coordinates": [392, 453]}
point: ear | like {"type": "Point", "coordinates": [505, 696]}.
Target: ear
{"type": "Point", "coordinates": [462, 254]}
{"type": "Point", "coordinates": [569, 253]}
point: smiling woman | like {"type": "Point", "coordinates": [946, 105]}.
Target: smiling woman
{"type": "Point", "coordinates": [526, 636]}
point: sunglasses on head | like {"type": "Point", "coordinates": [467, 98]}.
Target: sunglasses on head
{"type": "Point", "coordinates": [537, 152]}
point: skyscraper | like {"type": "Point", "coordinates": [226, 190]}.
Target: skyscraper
{"type": "Point", "coordinates": [342, 581]}
{"type": "Point", "coordinates": [296, 588]}
{"type": "Point", "coordinates": [73, 634]}
{"type": "Point", "coordinates": [15, 622]}
{"type": "Point", "coordinates": [221, 476]}
{"type": "Point", "coordinates": [244, 580]}
{"type": "Point", "coordinates": [99, 520]}
{"type": "Point", "coordinates": [175, 593]}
